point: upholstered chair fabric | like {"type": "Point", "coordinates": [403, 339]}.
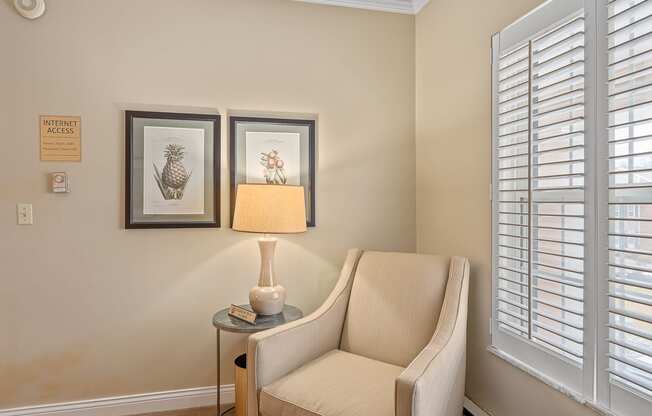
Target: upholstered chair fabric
{"type": "Point", "coordinates": [394, 305]}
{"type": "Point", "coordinates": [433, 383]}
{"type": "Point", "coordinates": [361, 353]}
{"type": "Point", "coordinates": [335, 382]}
{"type": "Point", "coordinates": [274, 353]}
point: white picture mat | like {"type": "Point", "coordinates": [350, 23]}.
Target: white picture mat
{"type": "Point", "coordinates": [155, 141]}
{"type": "Point", "coordinates": [288, 146]}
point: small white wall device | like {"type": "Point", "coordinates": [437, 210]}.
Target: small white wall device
{"type": "Point", "coordinates": [59, 182]}
{"type": "Point", "coordinates": [30, 9]}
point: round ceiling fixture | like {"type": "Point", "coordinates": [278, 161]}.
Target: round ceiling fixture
{"type": "Point", "coordinates": [30, 9]}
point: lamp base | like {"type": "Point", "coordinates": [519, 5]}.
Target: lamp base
{"type": "Point", "coordinates": [267, 300]}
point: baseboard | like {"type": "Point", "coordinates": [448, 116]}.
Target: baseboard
{"type": "Point", "coordinates": [131, 405]}
{"type": "Point", "coordinates": [154, 402]}
{"type": "Point", "coordinates": [472, 409]}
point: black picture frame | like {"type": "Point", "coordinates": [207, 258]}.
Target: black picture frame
{"type": "Point", "coordinates": [233, 158]}
{"type": "Point", "coordinates": [214, 121]}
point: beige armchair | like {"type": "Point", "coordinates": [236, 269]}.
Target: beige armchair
{"type": "Point", "coordinates": [389, 340]}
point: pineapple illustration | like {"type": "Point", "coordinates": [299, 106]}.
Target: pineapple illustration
{"type": "Point", "coordinates": [174, 173]}
{"type": "Point", "coordinates": [174, 177]}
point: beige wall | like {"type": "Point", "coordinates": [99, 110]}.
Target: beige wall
{"type": "Point", "coordinates": [453, 135]}
{"type": "Point", "coordinates": [88, 309]}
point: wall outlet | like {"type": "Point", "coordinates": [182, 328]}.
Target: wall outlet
{"type": "Point", "coordinates": [25, 215]}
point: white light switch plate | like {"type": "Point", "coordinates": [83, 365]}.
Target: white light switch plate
{"type": "Point", "coordinates": [25, 216]}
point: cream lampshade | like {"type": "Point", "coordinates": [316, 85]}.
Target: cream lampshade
{"type": "Point", "coordinates": [273, 209]}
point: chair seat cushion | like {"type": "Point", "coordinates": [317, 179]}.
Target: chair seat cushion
{"type": "Point", "coordinates": [336, 384]}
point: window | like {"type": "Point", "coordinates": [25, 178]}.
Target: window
{"type": "Point", "coordinates": [572, 199]}
{"type": "Point", "coordinates": [541, 205]}
{"type": "Point", "coordinates": [629, 214]}
{"type": "Point", "coordinates": [540, 247]}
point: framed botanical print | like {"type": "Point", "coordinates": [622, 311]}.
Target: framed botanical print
{"type": "Point", "coordinates": [172, 170]}
{"type": "Point", "coordinates": [273, 151]}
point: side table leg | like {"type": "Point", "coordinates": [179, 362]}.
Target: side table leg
{"type": "Point", "coordinates": [219, 412]}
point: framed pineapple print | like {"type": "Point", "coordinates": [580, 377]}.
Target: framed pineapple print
{"type": "Point", "coordinates": [172, 170]}
{"type": "Point", "coordinates": [273, 151]}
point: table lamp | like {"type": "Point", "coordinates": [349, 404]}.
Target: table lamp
{"type": "Point", "coordinates": [269, 209]}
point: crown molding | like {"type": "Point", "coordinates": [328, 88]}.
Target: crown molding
{"type": "Point", "coordinates": [418, 5]}
{"type": "Point", "coordinates": [393, 6]}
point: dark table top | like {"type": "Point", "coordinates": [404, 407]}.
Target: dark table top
{"type": "Point", "coordinates": [223, 321]}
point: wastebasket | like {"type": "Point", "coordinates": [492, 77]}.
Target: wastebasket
{"type": "Point", "coordinates": [241, 385]}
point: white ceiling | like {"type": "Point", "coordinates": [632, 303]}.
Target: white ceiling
{"type": "Point", "coordinates": [395, 6]}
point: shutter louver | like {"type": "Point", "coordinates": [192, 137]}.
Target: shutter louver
{"type": "Point", "coordinates": [540, 206]}
{"type": "Point", "coordinates": [557, 189]}
{"type": "Point", "coordinates": [513, 155]}
{"type": "Point", "coordinates": [629, 43]}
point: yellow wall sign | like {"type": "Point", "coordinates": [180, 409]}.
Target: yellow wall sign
{"type": "Point", "coordinates": [61, 138]}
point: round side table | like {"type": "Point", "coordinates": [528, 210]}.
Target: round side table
{"type": "Point", "coordinates": [222, 321]}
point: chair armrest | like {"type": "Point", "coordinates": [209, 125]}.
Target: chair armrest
{"type": "Point", "coordinates": [276, 352]}
{"type": "Point", "coordinates": [433, 383]}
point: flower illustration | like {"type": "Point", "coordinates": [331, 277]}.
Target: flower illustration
{"type": "Point", "coordinates": [273, 168]}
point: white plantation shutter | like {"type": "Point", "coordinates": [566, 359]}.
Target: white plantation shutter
{"type": "Point", "coordinates": [539, 192]}
{"type": "Point", "coordinates": [629, 141]}
{"type": "Point", "coordinates": [540, 207]}
{"type": "Point", "coordinates": [572, 199]}
{"type": "Point", "coordinates": [512, 210]}
{"type": "Point", "coordinates": [557, 189]}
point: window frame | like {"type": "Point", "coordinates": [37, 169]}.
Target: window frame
{"type": "Point", "coordinates": [546, 364]}
{"type": "Point", "coordinates": [610, 395]}
{"type": "Point", "coordinates": [591, 384]}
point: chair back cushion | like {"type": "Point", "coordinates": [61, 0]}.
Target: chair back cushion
{"type": "Point", "coordinates": [394, 305]}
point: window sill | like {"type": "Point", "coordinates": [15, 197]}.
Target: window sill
{"type": "Point", "coordinates": [548, 381]}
